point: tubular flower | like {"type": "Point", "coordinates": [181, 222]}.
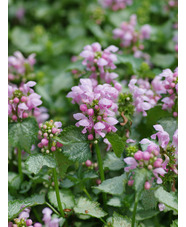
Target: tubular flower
{"type": "Point", "coordinates": [115, 5]}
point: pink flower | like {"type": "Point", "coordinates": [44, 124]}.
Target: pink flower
{"type": "Point", "coordinates": [163, 137]}
{"type": "Point", "coordinates": [160, 171]}
{"type": "Point", "coordinates": [175, 140]}
{"type": "Point", "coordinates": [131, 162]}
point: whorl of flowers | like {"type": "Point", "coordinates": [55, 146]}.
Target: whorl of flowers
{"type": "Point", "coordinates": [115, 4]}
{"type": "Point", "coordinates": [166, 85]}
{"type": "Point", "coordinates": [19, 67]}
{"type": "Point", "coordinates": [143, 96]}
{"type": "Point", "coordinates": [152, 158]}
{"type": "Point", "coordinates": [131, 38]}
{"type": "Point", "coordinates": [100, 63]}
{"type": "Point", "coordinates": [98, 107]}
{"type": "Point", "coordinates": [24, 221]}
{"type": "Point", "coordinates": [163, 89]}
{"type": "Point", "coordinates": [47, 131]}
{"type": "Point", "coordinates": [22, 101]}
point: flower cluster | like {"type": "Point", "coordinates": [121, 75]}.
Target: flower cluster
{"type": "Point", "coordinates": [47, 131]}
{"type": "Point", "coordinates": [98, 107]}
{"type": "Point", "coordinates": [20, 68]}
{"type": "Point", "coordinates": [163, 89]}
{"type": "Point", "coordinates": [166, 85]}
{"type": "Point", "coordinates": [115, 4]}
{"type": "Point", "coordinates": [143, 96]}
{"type": "Point", "coordinates": [131, 38]}
{"type": "Point", "coordinates": [152, 157]}
{"type": "Point", "coordinates": [22, 101]}
{"type": "Point", "coordinates": [24, 221]}
{"type": "Point", "coordinates": [100, 63]}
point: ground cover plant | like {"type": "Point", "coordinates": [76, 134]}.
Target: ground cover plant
{"type": "Point", "coordinates": [93, 113]}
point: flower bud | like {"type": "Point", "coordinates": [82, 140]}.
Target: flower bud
{"type": "Point", "coordinates": [25, 115]}
{"type": "Point", "coordinates": [90, 137]}
{"type": "Point", "coordinates": [138, 155]}
{"type": "Point", "coordinates": [130, 182]}
{"type": "Point", "coordinates": [54, 130]}
{"type": "Point", "coordinates": [88, 163]}
{"type": "Point", "coordinates": [98, 181]}
{"type": "Point", "coordinates": [28, 222]}
{"type": "Point", "coordinates": [147, 185]}
{"type": "Point", "coordinates": [175, 114]}
{"type": "Point", "coordinates": [16, 100]}
{"type": "Point", "coordinates": [90, 112]}
{"type": "Point", "coordinates": [23, 99]}
{"type": "Point", "coordinates": [146, 155]}
{"type": "Point", "coordinates": [59, 144]}
{"type": "Point", "coordinates": [14, 117]}
{"type": "Point", "coordinates": [53, 148]}
{"type": "Point", "coordinates": [44, 142]}
{"type": "Point", "coordinates": [83, 107]}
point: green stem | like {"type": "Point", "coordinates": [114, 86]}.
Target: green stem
{"type": "Point", "coordinates": [100, 164]}
{"type": "Point", "coordinates": [19, 164]}
{"type": "Point", "coordinates": [137, 197]}
{"type": "Point", "coordinates": [51, 207]}
{"type": "Point", "coordinates": [57, 193]}
{"type": "Point", "coordinates": [86, 192]}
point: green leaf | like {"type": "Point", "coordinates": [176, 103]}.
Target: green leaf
{"type": "Point", "coordinates": [23, 134]}
{"type": "Point", "coordinates": [135, 63]}
{"type": "Point", "coordinates": [112, 162]}
{"type": "Point", "coordinates": [163, 60]}
{"type": "Point", "coordinates": [146, 214]}
{"type": "Point", "coordinates": [75, 144]}
{"type": "Point", "coordinates": [120, 221]}
{"type": "Point", "coordinates": [14, 180]}
{"type": "Point", "coordinates": [148, 199]}
{"type": "Point", "coordinates": [174, 223]}
{"type": "Point", "coordinates": [167, 198]}
{"type": "Point", "coordinates": [62, 82]}
{"type": "Point", "coordinates": [139, 179]}
{"type": "Point", "coordinates": [35, 162]}
{"type": "Point", "coordinates": [16, 206]}
{"type": "Point", "coordinates": [113, 186]}
{"type": "Point", "coordinates": [87, 207]}
{"type": "Point", "coordinates": [115, 202]}
{"type": "Point", "coordinates": [66, 197]}
{"type": "Point", "coordinates": [117, 143]}
{"type": "Point", "coordinates": [62, 162]}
